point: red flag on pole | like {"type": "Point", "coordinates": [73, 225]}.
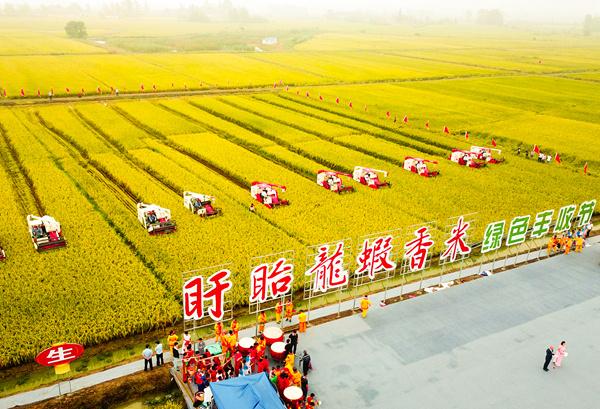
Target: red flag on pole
{"type": "Point", "coordinates": [154, 87]}
{"type": "Point", "coordinates": [321, 97]}
{"type": "Point", "coordinates": [494, 144]}
{"type": "Point", "coordinates": [307, 94]}
{"type": "Point", "coordinates": [337, 100]}
{"type": "Point", "coordinates": [446, 130]}
{"type": "Point", "coordinates": [22, 92]}
{"type": "Point", "coordinates": [68, 90]}
{"type": "Point", "coordinates": [142, 87]}
{"type": "Point", "coordinates": [585, 169]}
{"type": "Point", "coordinates": [99, 90]}
{"type": "Point", "coordinates": [4, 93]}
{"type": "Point", "coordinates": [536, 149]}
{"type": "Point", "coordinates": [350, 104]}
{"type": "Point", "coordinates": [39, 93]}
{"type": "Point", "coordinates": [427, 125]}
{"type": "Point", "coordinates": [557, 157]}
{"type": "Point", "coordinates": [405, 120]}
{"type": "Point", "coordinates": [467, 135]}
{"type": "Point", "coordinates": [395, 118]}
{"type": "Point", "coordinates": [387, 114]}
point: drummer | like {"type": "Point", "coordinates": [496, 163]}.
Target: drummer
{"type": "Point", "coordinates": [263, 365]}
{"type": "Point", "coordinates": [296, 376]}
{"type": "Point", "coordinates": [262, 320]}
{"type": "Point", "coordinates": [235, 327]}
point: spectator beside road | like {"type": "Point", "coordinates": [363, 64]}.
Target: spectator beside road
{"type": "Point", "coordinates": [158, 351]}
{"type": "Point", "coordinates": [147, 355]}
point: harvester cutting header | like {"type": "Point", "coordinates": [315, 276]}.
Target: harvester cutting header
{"type": "Point", "coordinates": [369, 177]}
{"type": "Point", "coordinates": [331, 180]}
{"type": "Point", "coordinates": [202, 205]}
{"type": "Point", "coordinates": [155, 219]}
{"type": "Point", "coordinates": [267, 195]}
{"type": "Point", "coordinates": [420, 167]}
{"type": "Point", "coordinates": [45, 232]}
{"type": "Point", "coordinates": [465, 158]}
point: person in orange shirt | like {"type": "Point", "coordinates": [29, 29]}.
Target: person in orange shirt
{"type": "Point", "coordinates": [235, 327]}
{"type": "Point", "coordinates": [567, 244]}
{"type": "Point", "coordinates": [278, 310]}
{"type": "Point", "coordinates": [262, 320]}
{"type": "Point", "coordinates": [262, 344]}
{"type": "Point", "coordinates": [289, 310]}
{"type": "Point", "coordinates": [578, 244]}
{"type": "Point", "coordinates": [296, 376]}
{"type": "Point", "coordinates": [218, 331]}
{"type": "Point", "coordinates": [171, 340]}
{"type": "Point", "coordinates": [227, 343]}
{"type": "Point", "coordinates": [302, 318]}
{"type": "Point", "coordinates": [551, 245]}
{"type": "Point", "coordinates": [364, 305]}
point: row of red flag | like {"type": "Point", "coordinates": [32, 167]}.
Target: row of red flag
{"type": "Point", "coordinates": [99, 90]}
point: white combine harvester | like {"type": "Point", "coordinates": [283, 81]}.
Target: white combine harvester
{"type": "Point", "coordinates": [45, 232]}
{"type": "Point", "coordinates": [155, 219]}
{"type": "Point", "coordinates": [202, 205]}
{"type": "Point", "coordinates": [331, 180]}
{"type": "Point", "coordinates": [485, 154]}
{"type": "Point", "coordinates": [369, 177]}
{"type": "Point", "coordinates": [465, 158]}
{"type": "Point", "coordinates": [2, 254]}
{"type": "Point", "coordinates": [267, 195]}
{"type": "Point", "coordinates": [419, 166]}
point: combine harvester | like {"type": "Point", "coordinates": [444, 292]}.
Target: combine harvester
{"type": "Point", "coordinates": [267, 195]}
{"type": "Point", "coordinates": [155, 219]}
{"type": "Point", "coordinates": [331, 180]}
{"type": "Point", "coordinates": [485, 154]}
{"type": "Point", "coordinates": [2, 254]}
{"type": "Point", "coordinates": [465, 158]}
{"type": "Point", "coordinates": [202, 205]}
{"type": "Point", "coordinates": [45, 232]}
{"type": "Point", "coordinates": [369, 177]}
{"type": "Point", "coordinates": [419, 166]}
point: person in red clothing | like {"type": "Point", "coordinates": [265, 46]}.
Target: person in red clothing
{"type": "Point", "coordinates": [263, 365]}
{"type": "Point", "coordinates": [237, 360]}
{"type": "Point", "coordinates": [283, 381]}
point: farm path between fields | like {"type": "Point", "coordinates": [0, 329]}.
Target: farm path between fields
{"type": "Point", "coordinates": [333, 345]}
{"type": "Point", "coordinates": [254, 90]}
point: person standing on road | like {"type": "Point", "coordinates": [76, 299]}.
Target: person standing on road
{"type": "Point", "coordinates": [549, 355]}
{"type": "Point", "coordinates": [176, 356]}
{"type": "Point", "coordinates": [305, 361]}
{"type": "Point", "coordinates": [147, 354]}
{"type": "Point", "coordinates": [289, 310]}
{"type": "Point", "coordinates": [158, 351]}
{"type": "Point", "coordinates": [294, 340]}
{"type": "Point", "coordinates": [561, 352]}
{"type": "Point", "coordinates": [364, 305]}
{"type": "Point", "coordinates": [262, 320]}
{"type": "Point", "coordinates": [302, 318]}
{"type": "Point", "coordinates": [278, 310]}
{"type": "Point", "coordinates": [172, 340]}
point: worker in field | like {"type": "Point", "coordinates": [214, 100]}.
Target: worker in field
{"type": "Point", "coordinates": [364, 305]}
{"type": "Point", "coordinates": [262, 320]}
{"type": "Point", "coordinates": [235, 327]}
{"type": "Point", "coordinates": [218, 331]}
{"type": "Point", "coordinates": [172, 340]}
{"type": "Point", "coordinates": [278, 310]}
{"type": "Point", "coordinates": [252, 208]}
{"type": "Point", "coordinates": [302, 318]}
{"type": "Point", "coordinates": [289, 310]}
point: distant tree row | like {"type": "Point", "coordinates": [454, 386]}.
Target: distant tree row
{"type": "Point", "coordinates": [591, 25]}
{"type": "Point", "coordinates": [490, 17]}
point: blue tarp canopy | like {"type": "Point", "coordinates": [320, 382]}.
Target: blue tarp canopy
{"type": "Point", "coordinates": [246, 392]}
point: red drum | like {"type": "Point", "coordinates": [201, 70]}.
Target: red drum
{"type": "Point", "coordinates": [292, 394]}
{"type": "Point", "coordinates": [245, 345]}
{"type": "Point", "coordinates": [273, 334]}
{"type": "Point", "coordinates": [278, 351]}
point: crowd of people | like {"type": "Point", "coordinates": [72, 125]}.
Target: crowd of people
{"type": "Point", "coordinates": [573, 239]}
{"type": "Point", "coordinates": [201, 364]}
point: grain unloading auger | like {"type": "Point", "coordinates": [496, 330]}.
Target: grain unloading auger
{"type": "Point", "coordinates": [485, 154]}
{"type": "Point", "coordinates": [45, 232]}
{"type": "Point", "coordinates": [202, 205]}
{"type": "Point", "coordinates": [331, 180]}
{"type": "Point", "coordinates": [266, 194]}
{"type": "Point", "coordinates": [155, 219]}
{"type": "Point", "coordinates": [465, 158]}
{"type": "Point", "coordinates": [369, 177]}
{"type": "Point", "coordinates": [420, 166]}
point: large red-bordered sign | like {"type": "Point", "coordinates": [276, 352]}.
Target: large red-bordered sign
{"type": "Point", "coordinates": [59, 354]}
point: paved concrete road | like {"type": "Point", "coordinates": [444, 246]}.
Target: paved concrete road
{"type": "Point", "coordinates": [478, 345]}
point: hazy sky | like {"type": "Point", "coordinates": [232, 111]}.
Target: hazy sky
{"type": "Point", "coordinates": [548, 10]}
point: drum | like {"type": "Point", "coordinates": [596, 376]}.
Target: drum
{"type": "Point", "coordinates": [214, 349]}
{"type": "Point", "coordinates": [273, 334]}
{"type": "Point", "coordinates": [278, 351]}
{"type": "Point", "coordinates": [245, 345]}
{"type": "Point", "coordinates": [292, 394]}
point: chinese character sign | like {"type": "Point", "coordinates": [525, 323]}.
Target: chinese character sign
{"type": "Point", "coordinates": [417, 250]}
{"type": "Point", "coordinates": [271, 280]}
{"type": "Point", "coordinates": [197, 291]}
{"type": "Point", "coordinates": [541, 224]}
{"type": "Point", "coordinates": [456, 244]}
{"type": "Point", "coordinates": [586, 210]}
{"type": "Point", "coordinates": [59, 354]}
{"type": "Point", "coordinates": [564, 218]}
{"type": "Point", "coordinates": [328, 271]}
{"type": "Point", "coordinates": [517, 231]}
{"type": "Point", "coordinates": [492, 237]}
{"type": "Point", "coordinates": [375, 257]}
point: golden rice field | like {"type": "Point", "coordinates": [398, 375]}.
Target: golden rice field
{"type": "Point", "coordinates": [87, 162]}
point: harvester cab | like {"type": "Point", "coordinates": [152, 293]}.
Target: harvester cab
{"type": "Point", "coordinates": [465, 158]}
{"type": "Point", "coordinates": [331, 180]}
{"type": "Point", "coordinates": [266, 194]}
{"type": "Point", "coordinates": [485, 154]}
{"type": "Point", "coordinates": [202, 205]}
{"type": "Point", "coordinates": [2, 254]}
{"type": "Point", "coordinates": [420, 166]}
{"type": "Point", "coordinates": [370, 177]}
{"type": "Point", "coordinates": [45, 232]}
{"type": "Point", "coordinates": [155, 219]}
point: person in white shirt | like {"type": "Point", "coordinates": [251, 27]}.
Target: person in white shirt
{"type": "Point", "coordinates": [158, 351]}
